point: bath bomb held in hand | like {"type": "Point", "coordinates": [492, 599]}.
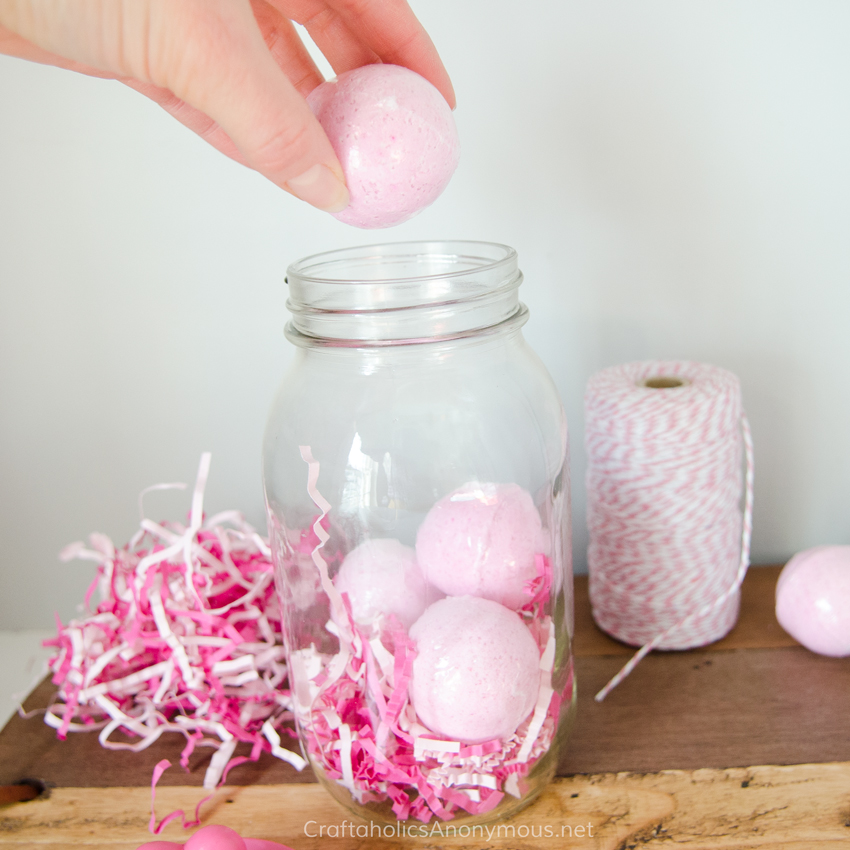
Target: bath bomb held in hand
{"type": "Point", "coordinates": [481, 540]}
{"type": "Point", "coordinates": [395, 137]}
{"type": "Point", "coordinates": [381, 576]}
{"type": "Point", "coordinates": [813, 599]}
{"type": "Point", "coordinates": [477, 670]}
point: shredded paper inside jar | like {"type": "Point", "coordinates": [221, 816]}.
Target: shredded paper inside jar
{"type": "Point", "coordinates": [362, 731]}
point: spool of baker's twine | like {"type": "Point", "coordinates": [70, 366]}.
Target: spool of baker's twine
{"type": "Point", "coordinates": [669, 504]}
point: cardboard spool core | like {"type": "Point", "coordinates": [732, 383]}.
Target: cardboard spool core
{"type": "Point", "coordinates": [664, 382]}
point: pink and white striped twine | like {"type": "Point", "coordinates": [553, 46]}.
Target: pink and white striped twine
{"type": "Point", "coordinates": [669, 504]}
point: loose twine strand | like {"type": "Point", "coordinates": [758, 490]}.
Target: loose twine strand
{"type": "Point", "coordinates": [664, 489]}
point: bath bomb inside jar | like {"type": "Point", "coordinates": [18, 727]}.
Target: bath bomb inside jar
{"type": "Point", "coordinates": [381, 577]}
{"type": "Point", "coordinates": [477, 670]}
{"type": "Point", "coordinates": [395, 137]}
{"type": "Point", "coordinates": [481, 540]}
{"type": "Point", "coordinates": [813, 599]}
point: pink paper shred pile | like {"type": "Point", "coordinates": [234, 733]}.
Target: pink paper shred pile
{"type": "Point", "coordinates": [185, 638]}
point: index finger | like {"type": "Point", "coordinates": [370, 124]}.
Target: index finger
{"type": "Point", "coordinates": [392, 30]}
{"type": "Point", "coordinates": [355, 32]}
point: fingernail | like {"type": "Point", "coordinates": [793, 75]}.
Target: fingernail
{"type": "Point", "coordinates": [320, 187]}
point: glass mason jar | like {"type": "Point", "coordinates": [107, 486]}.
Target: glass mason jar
{"type": "Point", "coordinates": [417, 484]}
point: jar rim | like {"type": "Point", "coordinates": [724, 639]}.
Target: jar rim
{"type": "Point", "coordinates": [500, 255]}
{"type": "Point", "coordinates": [404, 290]}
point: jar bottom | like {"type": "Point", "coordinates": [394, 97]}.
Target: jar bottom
{"type": "Point", "coordinates": [538, 777]}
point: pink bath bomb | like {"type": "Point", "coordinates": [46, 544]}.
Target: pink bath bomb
{"type": "Point", "coordinates": [381, 576]}
{"type": "Point", "coordinates": [395, 137]}
{"type": "Point", "coordinates": [222, 838]}
{"type": "Point", "coordinates": [481, 540]}
{"type": "Point", "coordinates": [813, 599]}
{"type": "Point", "coordinates": [477, 669]}
{"type": "Point", "coordinates": [215, 837]}
{"type": "Point", "coordinates": [160, 845]}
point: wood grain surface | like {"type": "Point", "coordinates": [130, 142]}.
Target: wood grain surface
{"type": "Point", "coordinates": [755, 697]}
{"type": "Point", "coordinates": [666, 759]}
{"type": "Point", "coordinates": [806, 807]}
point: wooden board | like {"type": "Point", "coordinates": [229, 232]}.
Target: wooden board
{"type": "Point", "coordinates": [806, 807]}
{"type": "Point", "coordinates": [756, 697]}
{"type": "Point", "coordinates": [666, 758]}
{"type": "Point", "coordinates": [676, 711]}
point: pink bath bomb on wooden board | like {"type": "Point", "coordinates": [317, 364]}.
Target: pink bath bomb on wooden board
{"type": "Point", "coordinates": [813, 599]}
{"type": "Point", "coordinates": [482, 540]}
{"type": "Point", "coordinates": [216, 837]}
{"type": "Point", "coordinates": [395, 137]}
{"type": "Point", "coordinates": [477, 670]}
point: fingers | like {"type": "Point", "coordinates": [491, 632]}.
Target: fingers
{"type": "Point", "coordinates": [12, 44]}
{"type": "Point", "coordinates": [211, 55]}
{"type": "Point", "coordinates": [214, 59]}
{"type": "Point", "coordinates": [391, 29]}
{"type": "Point", "coordinates": [234, 71]}
{"type": "Point", "coordinates": [286, 47]}
{"type": "Point", "coordinates": [332, 35]}
{"type": "Point", "coordinates": [189, 117]}
{"type": "Point", "coordinates": [92, 36]}
{"type": "Point", "coordinates": [351, 33]}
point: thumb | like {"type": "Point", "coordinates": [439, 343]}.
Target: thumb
{"type": "Point", "coordinates": [215, 59]}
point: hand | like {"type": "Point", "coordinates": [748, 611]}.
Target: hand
{"type": "Point", "coordinates": [233, 71]}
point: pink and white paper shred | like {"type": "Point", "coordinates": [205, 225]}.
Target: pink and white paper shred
{"type": "Point", "coordinates": [363, 733]}
{"type": "Point", "coordinates": [185, 638]}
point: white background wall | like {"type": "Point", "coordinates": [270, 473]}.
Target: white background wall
{"type": "Point", "coordinates": [675, 177]}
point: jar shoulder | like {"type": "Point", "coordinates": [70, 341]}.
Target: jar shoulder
{"type": "Point", "coordinates": [477, 387]}
{"type": "Point", "coordinates": [489, 413]}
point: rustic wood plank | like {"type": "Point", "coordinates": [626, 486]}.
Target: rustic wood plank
{"type": "Point", "coordinates": [687, 710]}
{"type": "Point", "coordinates": [757, 808]}
{"type": "Point", "coordinates": [753, 698]}
{"type": "Point", "coordinates": [678, 710]}
{"type": "Point", "coordinates": [29, 749]}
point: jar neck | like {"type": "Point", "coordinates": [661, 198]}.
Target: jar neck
{"type": "Point", "coordinates": [403, 294]}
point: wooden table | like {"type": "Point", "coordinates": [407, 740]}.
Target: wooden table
{"type": "Point", "coordinates": [743, 744]}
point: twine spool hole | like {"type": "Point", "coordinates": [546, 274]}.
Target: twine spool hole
{"type": "Point", "coordinates": [664, 382]}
